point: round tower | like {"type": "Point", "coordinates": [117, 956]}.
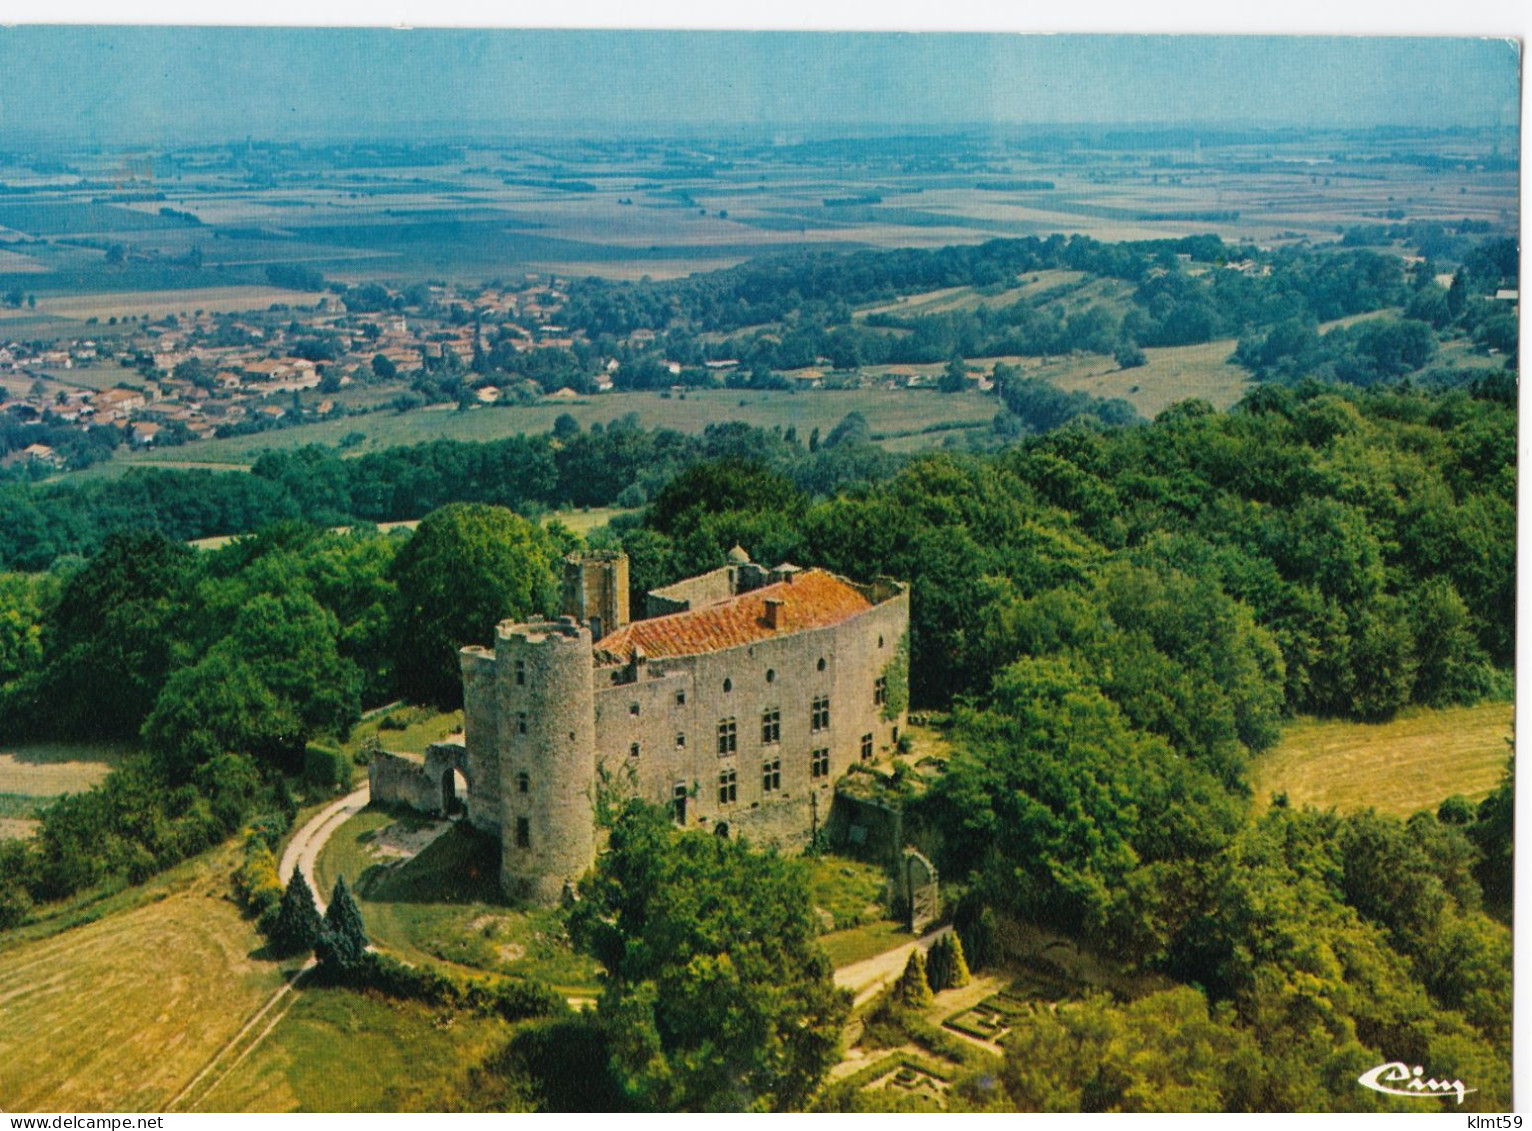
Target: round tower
{"type": "Point", "coordinates": [548, 761]}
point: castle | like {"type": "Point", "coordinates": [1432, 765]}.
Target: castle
{"type": "Point", "coordinates": [736, 702]}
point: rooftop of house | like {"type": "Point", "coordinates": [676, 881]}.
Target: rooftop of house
{"type": "Point", "coordinates": [813, 598]}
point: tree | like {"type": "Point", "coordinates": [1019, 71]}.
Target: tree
{"type": "Point", "coordinates": [946, 968]}
{"type": "Point", "coordinates": [718, 996]}
{"type": "Point", "coordinates": [342, 939]}
{"type": "Point", "coordinates": [468, 567]}
{"type": "Point", "coordinates": [954, 378]}
{"type": "Point", "coordinates": [1130, 356]}
{"type": "Point", "coordinates": [913, 989]}
{"type": "Point", "coordinates": [297, 925]}
{"type": "Point", "coordinates": [384, 368]}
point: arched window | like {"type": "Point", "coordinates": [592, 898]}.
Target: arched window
{"type": "Point", "coordinates": [771, 675]}
{"type": "Point", "coordinates": [821, 663]}
{"type": "Point", "coordinates": [523, 782]}
{"type": "Point", "coordinates": [728, 685]}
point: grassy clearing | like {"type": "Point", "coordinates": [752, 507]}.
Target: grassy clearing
{"type": "Point", "coordinates": [42, 770]}
{"type": "Point", "coordinates": [119, 1012]}
{"type": "Point", "coordinates": [444, 904]}
{"type": "Point", "coordinates": [1412, 763]}
{"type": "Point", "coordinates": [336, 1050]}
{"type": "Point", "coordinates": [849, 890]}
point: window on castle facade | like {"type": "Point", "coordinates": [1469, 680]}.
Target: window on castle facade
{"type": "Point", "coordinates": [819, 717]}
{"type": "Point", "coordinates": [521, 672]}
{"type": "Point", "coordinates": [680, 698]}
{"type": "Point", "coordinates": [728, 786]}
{"type": "Point", "coordinates": [879, 691]}
{"type": "Point", "coordinates": [680, 741]}
{"type": "Point", "coordinates": [727, 742]}
{"type": "Point", "coordinates": [633, 751]}
{"type": "Point", "coordinates": [819, 764]}
{"type": "Point", "coordinates": [523, 782]}
{"type": "Point", "coordinates": [521, 721]}
{"type": "Point", "coordinates": [771, 725]}
{"type": "Point", "coordinates": [523, 833]}
{"type": "Point", "coordinates": [633, 708]}
{"type": "Point", "coordinates": [867, 748]}
{"type": "Point", "coordinates": [771, 775]}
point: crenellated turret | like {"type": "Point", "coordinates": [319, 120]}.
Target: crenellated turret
{"type": "Point", "coordinates": [547, 756]}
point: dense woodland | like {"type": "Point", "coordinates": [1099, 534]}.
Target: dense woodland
{"type": "Point", "coordinates": [1116, 615]}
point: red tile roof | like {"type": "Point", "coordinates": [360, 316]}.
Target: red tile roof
{"type": "Point", "coordinates": [813, 599]}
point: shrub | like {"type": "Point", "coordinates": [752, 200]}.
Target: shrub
{"type": "Point", "coordinates": [326, 767]}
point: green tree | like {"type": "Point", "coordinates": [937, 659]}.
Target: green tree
{"type": "Point", "coordinates": [297, 925]}
{"type": "Point", "coordinates": [913, 990]}
{"type": "Point", "coordinates": [954, 377]}
{"type": "Point", "coordinates": [718, 996]}
{"type": "Point", "coordinates": [468, 567]}
{"type": "Point", "coordinates": [342, 940]}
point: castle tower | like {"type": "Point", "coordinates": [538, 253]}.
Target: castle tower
{"type": "Point", "coordinates": [547, 756]}
{"type": "Point", "coordinates": [596, 590]}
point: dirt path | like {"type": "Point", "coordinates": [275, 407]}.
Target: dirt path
{"type": "Point", "coordinates": [870, 975]}
{"type": "Point", "coordinates": [303, 850]}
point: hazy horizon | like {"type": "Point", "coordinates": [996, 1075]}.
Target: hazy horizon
{"type": "Point", "coordinates": [175, 86]}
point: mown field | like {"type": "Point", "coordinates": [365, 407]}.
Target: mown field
{"type": "Point", "coordinates": [1412, 763]}
{"type": "Point", "coordinates": [335, 1050]}
{"type": "Point", "coordinates": [33, 774]}
{"type": "Point", "coordinates": [119, 1013]}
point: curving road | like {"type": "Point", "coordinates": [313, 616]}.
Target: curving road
{"type": "Point", "coordinates": [303, 850]}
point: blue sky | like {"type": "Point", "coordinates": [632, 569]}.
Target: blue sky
{"type": "Point", "coordinates": [166, 85]}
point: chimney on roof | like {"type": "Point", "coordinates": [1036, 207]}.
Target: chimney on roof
{"type": "Point", "coordinates": [776, 613]}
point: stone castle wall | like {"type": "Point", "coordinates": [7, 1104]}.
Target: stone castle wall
{"type": "Point", "coordinates": [672, 712]}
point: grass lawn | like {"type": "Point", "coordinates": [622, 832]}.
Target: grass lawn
{"type": "Point", "coordinates": [444, 905]}
{"type": "Point", "coordinates": [848, 889]}
{"type": "Point", "coordinates": [338, 1050]}
{"type": "Point", "coordinates": [406, 730]}
{"type": "Point", "coordinates": [113, 1004]}
{"type": "Point", "coordinates": [1412, 763]}
{"type": "Point", "coordinates": [846, 947]}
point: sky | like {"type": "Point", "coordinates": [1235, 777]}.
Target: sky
{"type": "Point", "coordinates": [171, 85]}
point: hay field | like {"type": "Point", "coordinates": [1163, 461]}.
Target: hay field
{"type": "Point", "coordinates": [1414, 762]}
{"type": "Point", "coordinates": [1173, 373]}
{"type": "Point", "coordinates": [118, 1014]}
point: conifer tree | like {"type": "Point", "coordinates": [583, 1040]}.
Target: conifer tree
{"type": "Point", "coordinates": [957, 964]}
{"type": "Point", "coordinates": [342, 939]}
{"type": "Point", "coordinates": [938, 964]}
{"type": "Point", "coordinates": [297, 924]}
{"type": "Point", "coordinates": [913, 990]}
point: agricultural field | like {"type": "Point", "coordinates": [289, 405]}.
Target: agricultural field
{"type": "Point", "coordinates": [1412, 763]}
{"type": "Point", "coordinates": [124, 1009]}
{"type": "Point", "coordinates": [335, 1050]}
{"type": "Point", "coordinates": [33, 774]}
{"type": "Point", "coordinates": [906, 412]}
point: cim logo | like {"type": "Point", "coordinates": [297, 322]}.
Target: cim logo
{"type": "Point", "coordinates": [1396, 1072]}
